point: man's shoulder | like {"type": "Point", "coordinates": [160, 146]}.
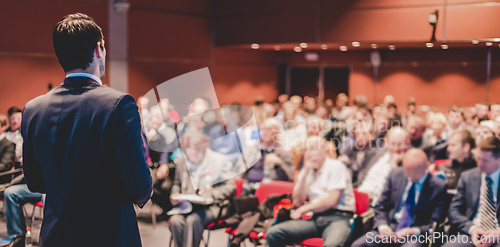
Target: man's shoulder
{"type": "Point", "coordinates": [333, 165]}
{"type": "Point", "coordinates": [469, 174]}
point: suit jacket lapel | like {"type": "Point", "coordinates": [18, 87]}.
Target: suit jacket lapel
{"type": "Point", "coordinates": [425, 194]}
{"type": "Point", "coordinates": [475, 185]}
{"type": "Point", "coordinates": [401, 185]}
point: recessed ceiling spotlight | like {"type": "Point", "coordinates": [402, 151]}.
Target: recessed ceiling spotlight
{"type": "Point", "coordinates": [343, 48]}
{"type": "Point", "coordinates": [475, 41]}
{"type": "Point", "coordinates": [277, 47]}
{"type": "Point", "coordinates": [444, 46]}
{"type": "Point", "coordinates": [374, 46]}
{"type": "Point", "coordinates": [392, 47]}
{"type": "Point", "coordinates": [429, 45]}
{"type": "Point", "coordinates": [496, 39]}
{"type": "Point", "coordinates": [303, 45]}
{"type": "Point", "coordinates": [324, 46]}
{"type": "Point", "coordinates": [489, 43]}
{"type": "Point", "coordinates": [297, 49]}
{"type": "Point", "coordinates": [255, 46]}
{"type": "Point", "coordinates": [356, 44]}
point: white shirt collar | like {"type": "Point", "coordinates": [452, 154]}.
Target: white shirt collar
{"type": "Point", "coordinates": [2, 136]}
{"type": "Point", "coordinates": [83, 74]}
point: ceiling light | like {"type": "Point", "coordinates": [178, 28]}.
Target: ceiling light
{"type": "Point", "coordinates": [489, 43]}
{"type": "Point", "coordinates": [496, 39]}
{"type": "Point", "coordinates": [277, 47]}
{"type": "Point", "coordinates": [475, 41]}
{"type": "Point", "coordinates": [374, 46]}
{"type": "Point", "coordinates": [324, 46]}
{"type": "Point", "coordinates": [392, 47]}
{"type": "Point", "coordinates": [303, 45]}
{"type": "Point", "coordinates": [444, 46]}
{"type": "Point", "coordinates": [343, 48]}
{"type": "Point", "coordinates": [429, 45]}
{"type": "Point", "coordinates": [356, 44]}
{"type": "Point", "coordinates": [255, 46]}
{"type": "Point", "coordinates": [297, 49]}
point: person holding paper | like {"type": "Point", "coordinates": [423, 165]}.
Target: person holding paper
{"type": "Point", "coordinates": [201, 169]}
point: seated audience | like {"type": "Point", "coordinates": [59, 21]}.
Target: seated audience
{"type": "Point", "coordinates": [341, 111]}
{"type": "Point", "coordinates": [271, 154]}
{"type": "Point", "coordinates": [460, 145]}
{"type": "Point", "coordinates": [192, 176]}
{"type": "Point", "coordinates": [455, 121]}
{"type": "Point", "coordinates": [373, 175]}
{"type": "Point", "coordinates": [411, 202]}
{"type": "Point", "coordinates": [314, 128]}
{"type": "Point", "coordinates": [470, 118]}
{"type": "Point", "coordinates": [480, 134]}
{"type": "Point", "coordinates": [15, 198]}
{"type": "Point", "coordinates": [13, 134]}
{"type": "Point", "coordinates": [7, 149]}
{"type": "Point", "coordinates": [437, 123]}
{"type": "Point", "coordinates": [483, 111]}
{"type": "Point", "coordinates": [416, 129]}
{"type": "Point", "coordinates": [473, 211]}
{"type": "Point", "coordinates": [354, 156]}
{"type": "Point", "coordinates": [327, 184]}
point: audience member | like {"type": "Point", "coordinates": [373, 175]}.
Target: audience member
{"type": "Point", "coordinates": [15, 198]}
{"type": "Point", "coordinates": [483, 111]}
{"type": "Point", "coordinates": [372, 176]}
{"type": "Point", "coordinates": [327, 184]}
{"type": "Point", "coordinates": [354, 156]}
{"type": "Point", "coordinates": [271, 154]}
{"type": "Point", "coordinates": [460, 146]}
{"type": "Point", "coordinates": [341, 111]}
{"type": "Point", "coordinates": [470, 118]}
{"type": "Point", "coordinates": [200, 168]}
{"type": "Point", "coordinates": [389, 99]}
{"type": "Point", "coordinates": [473, 212]}
{"type": "Point", "coordinates": [13, 134]}
{"type": "Point", "coordinates": [7, 149]}
{"type": "Point", "coordinates": [416, 127]}
{"type": "Point", "coordinates": [411, 202]}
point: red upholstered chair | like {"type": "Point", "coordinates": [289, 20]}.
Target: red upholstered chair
{"type": "Point", "coordinates": [362, 204]}
{"type": "Point", "coordinates": [265, 190]}
{"type": "Point", "coordinates": [439, 163]}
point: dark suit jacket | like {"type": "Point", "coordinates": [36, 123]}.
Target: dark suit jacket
{"type": "Point", "coordinates": [465, 203]}
{"type": "Point", "coordinates": [7, 154]}
{"type": "Point", "coordinates": [430, 208]}
{"type": "Point", "coordinates": [82, 147]}
{"type": "Point", "coordinates": [371, 157]}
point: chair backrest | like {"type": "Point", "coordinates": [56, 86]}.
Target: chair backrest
{"type": "Point", "coordinates": [362, 201]}
{"type": "Point", "coordinates": [439, 163]}
{"type": "Point", "coordinates": [239, 185]}
{"type": "Point", "coordinates": [273, 188]}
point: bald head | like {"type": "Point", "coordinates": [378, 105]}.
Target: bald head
{"type": "Point", "coordinates": [415, 164]}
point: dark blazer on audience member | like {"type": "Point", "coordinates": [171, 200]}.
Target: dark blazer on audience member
{"type": "Point", "coordinates": [371, 157]}
{"type": "Point", "coordinates": [83, 147]}
{"type": "Point", "coordinates": [7, 154]}
{"type": "Point", "coordinates": [465, 203]}
{"type": "Point", "coordinates": [430, 208]}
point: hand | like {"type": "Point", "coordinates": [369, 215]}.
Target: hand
{"type": "Point", "coordinates": [296, 214]}
{"type": "Point", "coordinates": [272, 159]}
{"type": "Point", "coordinates": [174, 202]}
{"type": "Point", "coordinates": [343, 158]}
{"type": "Point", "coordinates": [162, 171]}
{"type": "Point", "coordinates": [476, 234]}
{"type": "Point", "coordinates": [403, 233]}
{"type": "Point", "coordinates": [492, 238]}
{"type": "Point", "coordinates": [387, 232]}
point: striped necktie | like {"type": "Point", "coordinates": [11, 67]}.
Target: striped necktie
{"type": "Point", "coordinates": [487, 207]}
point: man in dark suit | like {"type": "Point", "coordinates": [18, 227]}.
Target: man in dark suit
{"type": "Point", "coordinates": [474, 210]}
{"type": "Point", "coordinates": [83, 148]}
{"type": "Point", "coordinates": [412, 201]}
